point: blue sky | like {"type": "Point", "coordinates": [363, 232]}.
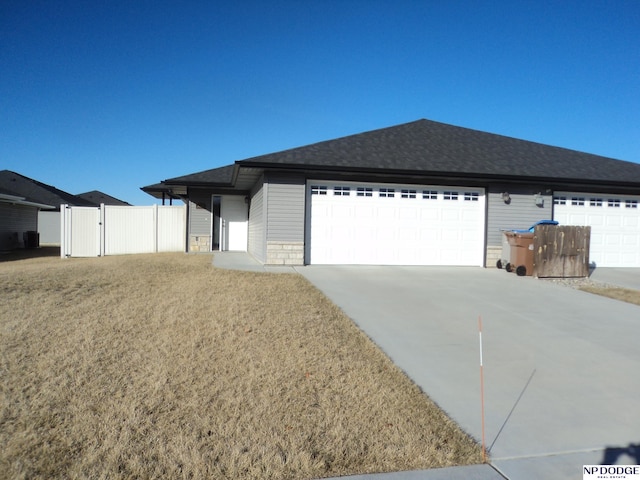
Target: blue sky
{"type": "Point", "coordinates": [116, 95]}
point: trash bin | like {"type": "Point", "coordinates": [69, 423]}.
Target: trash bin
{"type": "Point", "coordinates": [521, 258]}
{"type": "Point", "coordinates": [505, 260]}
{"type": "Point", "coordinates": [31, 239]}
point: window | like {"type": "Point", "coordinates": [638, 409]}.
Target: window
{"type": "Point", "coordinates": [471, 196]}
{"type": "Point", "coordinates": [631, 204]}
{"type": "Point", "coordinates": [559, 200]}
{"type": "Point", "coordinates": [342, 191]}
{"type": "Point", "coordinates": [365, 192]}
{"type": "Point", "coordinates": [613, 203]}
{"type": "Point", "coordinates": [595, 202]}
{"type": "Point", "coordinates": [577, 201]}
{"type": "Point", "coordinates": [318, 190]}
{"type": "Point", "coordinates": [451, 195]}
{"type": "Point", "coordinates": [387, 192]}
{"type": "Point", "coordinates": [429, 195]}
{"type": "Point", "coordinates": [408, 194]}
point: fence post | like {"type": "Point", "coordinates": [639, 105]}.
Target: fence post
{"type": "Point", "coordinates": [64, 240]}
{"type": "Point", "coordinates": [155, 228]}
{"type": "Point", "coordinates": [102, 236]}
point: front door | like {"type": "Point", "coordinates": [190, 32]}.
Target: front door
{"type": "Point", "coordinates": [234, 213]}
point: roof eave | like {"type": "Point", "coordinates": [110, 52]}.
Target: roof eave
{"type": "Point", "coordinates": [15, 200]}
{"type": "Point", "coordinates": [443, 174]}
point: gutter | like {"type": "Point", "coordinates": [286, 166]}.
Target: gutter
{"type": "Point", "coordinates": [15, 200]}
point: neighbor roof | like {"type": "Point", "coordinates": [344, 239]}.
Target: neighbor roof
{"type": "Point", "coordinates": [38, 192]}
{"type": "Point", "coordinates": [96, 197]}
{"type": "Point", "coordinates": [425, 147]}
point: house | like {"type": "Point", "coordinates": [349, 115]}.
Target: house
{"type": "Point", "coordinates": [18, 220]}
{"type": "Point", "coordinates": [420, 193]}
{"type": "Point", "coordinates": [48, 221]}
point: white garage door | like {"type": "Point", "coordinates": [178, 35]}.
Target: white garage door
{"type": "Point", "coordinates": [384, 224]}
{"type": "Point", "coordinates": [614, 221]}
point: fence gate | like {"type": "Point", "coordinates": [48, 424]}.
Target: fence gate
{"type": "Point", "coordinates": [118, 230]}
{"type": "Point", "coordinates": [80, 231]}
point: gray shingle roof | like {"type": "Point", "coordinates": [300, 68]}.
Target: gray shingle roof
{"type": "Point", "coordinates": [429, 147]}
{"type": "Point", "coordinates": [38, 192]}
{"type": "Point", "coordinates": [216, 176]}
{"type": "Point", "coordinates": [97, 197]}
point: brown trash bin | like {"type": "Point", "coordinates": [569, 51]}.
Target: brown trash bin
{"type": "Point", "coordinates": [521, 259]}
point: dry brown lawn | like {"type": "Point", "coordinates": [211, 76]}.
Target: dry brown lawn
{"type": "Point", "coordinates": [161, 366]}
{"type": "Point", "coordinates": [617, 293]}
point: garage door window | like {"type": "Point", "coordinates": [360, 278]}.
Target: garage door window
{"type": "Point", "coordinates": [595, 202]}
{"type": "Point", "coordinates": [631, 204]}
{"type": "Point", "coordinates": [341, 191]}
{"type": "Point", "coordinates": [387, 192]}
{"type": "Point", "coordinates": [559, 200]}
{"type": "Point", "coordinates": [451, 195]}
{"type": "Point", "coordinates": [365, 192]}
{"type": "Point", "coordinates": [577, 201]}
{"type": "Point", "coordinates": [429, 195]}
{"type": "Point", "coordinates": [470, 196]}
{"type": "Point", "coordinates": [318, 190]}
{"type": "Point", "coordinates": [613, 203]}
{"type": "Point", "coordinates": [408, 194]}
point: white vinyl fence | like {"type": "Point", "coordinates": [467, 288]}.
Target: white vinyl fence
{"type": "Point", "coordinates": [118, 230]}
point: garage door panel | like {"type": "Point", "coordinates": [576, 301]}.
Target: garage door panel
{"type": "Point", "coordinates": [450, 215]}
{"type": "Point", "coordinates": [364, 211]}
{"type": "Point", "coordinates": [416, 226]}
{"type": "Point", "coordinates": [429, 213]}
{"type": "Point", "coordinates": [386, 213]}
{"type": "Point", "coordinates": [408, 213]}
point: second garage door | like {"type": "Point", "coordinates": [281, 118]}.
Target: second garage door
{"type": "Point", "coordinates": [614, 221]}
{"type": "Point", "coordinates": [385, 224]}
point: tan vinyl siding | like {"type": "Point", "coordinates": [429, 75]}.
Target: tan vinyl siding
{"type": "Point", "coordinates": [285, 209]}
{"type": "Point", "coordinates": [256, 222]}
{"type": "Point", "coordinates": [520, 213]}
{"type": "Point", "coordinates": [14, 221]}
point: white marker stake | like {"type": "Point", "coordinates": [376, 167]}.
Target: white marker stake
{"type": "Point", "coordinates": [484, 450]}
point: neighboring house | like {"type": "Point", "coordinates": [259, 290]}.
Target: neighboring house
{"type": "Point", "coordinates": [18, 220]}
{"type": "Point", "coordinates": [48, 223]}
{"type": "Point", "coordinates": [421, 193]}
{"type": "Point", "coordinates": [99, 198]}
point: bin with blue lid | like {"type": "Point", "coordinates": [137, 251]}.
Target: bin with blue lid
{"type": "Point", "coordinates": [517, 249]}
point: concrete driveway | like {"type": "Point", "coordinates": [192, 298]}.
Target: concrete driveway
{"type": "Point", "coordinates": [561, 367]}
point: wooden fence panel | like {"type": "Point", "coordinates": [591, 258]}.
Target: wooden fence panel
{"type": "Point", "coordinates": [561, 251]}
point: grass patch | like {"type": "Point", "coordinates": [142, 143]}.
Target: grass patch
{"type": "Point", "coordinates": [617, 293]}
{"type": "Point", "coordinates": [161, 366]}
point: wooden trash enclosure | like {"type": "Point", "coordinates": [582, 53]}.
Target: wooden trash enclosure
{"type": "Point", "coordinates": [561, 251]}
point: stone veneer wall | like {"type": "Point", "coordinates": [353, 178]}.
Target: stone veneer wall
{"type": "Point", "coordinates": [199, 243]}
{"type": "Point", "coordinates": [493, 255]}
{"type": "Point", "coordinates": [285, 253]}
